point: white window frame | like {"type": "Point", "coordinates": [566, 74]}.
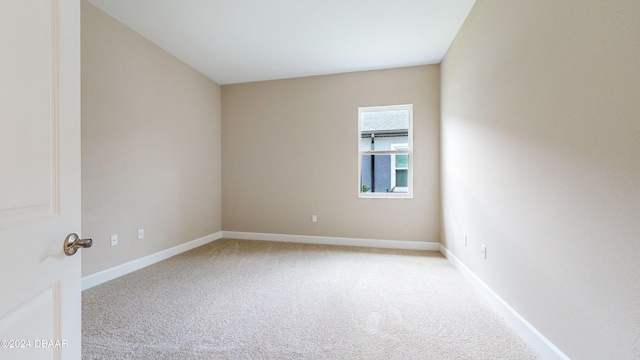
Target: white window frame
{"type": "Point", "coordinates": [396, 151]}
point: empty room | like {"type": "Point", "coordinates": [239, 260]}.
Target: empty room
{"type": "Point", "coordinates": [414, 179]}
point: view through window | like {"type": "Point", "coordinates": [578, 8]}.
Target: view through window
{"type": "Point", "coordinates": [385, 151]}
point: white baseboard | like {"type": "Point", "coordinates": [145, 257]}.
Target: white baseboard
{"type": "Point", "coordinates": [117, 271]}
{"type": "Point", "coordinates": [327, 240]}
{"type": "Point", "coordinates": [529, 334]}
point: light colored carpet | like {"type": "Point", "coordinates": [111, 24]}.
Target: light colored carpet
{"type": "Point", "coordinates": [235, 299]}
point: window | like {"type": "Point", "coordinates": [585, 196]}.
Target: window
{"type": "Point", "coordinates": [385, 151]}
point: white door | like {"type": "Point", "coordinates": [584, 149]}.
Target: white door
{"type": "Point", "coordinates": [39, 178]}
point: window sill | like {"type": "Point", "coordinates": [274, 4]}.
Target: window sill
{"type": "Point", "coordinates": [385, 196]}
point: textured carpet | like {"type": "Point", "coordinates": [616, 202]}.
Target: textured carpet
{"type": "Point", "coordinates": [235, 299]}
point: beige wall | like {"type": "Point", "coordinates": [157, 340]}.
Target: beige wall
{"type": "Point", "coordinates": [541, 162]}
{"type": "Point", "coordinates": [289, 151]}
{"type": "Point", "coordinates": [150, 145]}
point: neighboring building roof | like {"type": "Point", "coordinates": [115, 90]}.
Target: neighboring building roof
{"type": "Point", "coordinates": [384, 120]}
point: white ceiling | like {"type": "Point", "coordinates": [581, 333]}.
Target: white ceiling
{"type": "Point", "coordinates": [235, 41]}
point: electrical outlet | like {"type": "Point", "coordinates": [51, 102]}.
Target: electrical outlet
{"type": "Point", "coordinates": [314, 218]}
{"type": "Point", "coordinates": [114, 240]}
{"type": "Point", "coordinates": [465, 240]}
{"type": "Point", "coordinates": [483, 251]}
{"type": "Point", "coordinates": [140, 233]}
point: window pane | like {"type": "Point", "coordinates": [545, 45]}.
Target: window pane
{"type": "Point", "coordinates": [365, 143]}
{"type": "Point", "coordinates": [386, 120]}
{"type": "Point", "coordinates": [402, 177]}
{"type": "Point", "coordinates": [402, 161]}
{"type": "Point", "coordinates": [376, 173]}
{"type": "Point", "coordinates": [379, 129]}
